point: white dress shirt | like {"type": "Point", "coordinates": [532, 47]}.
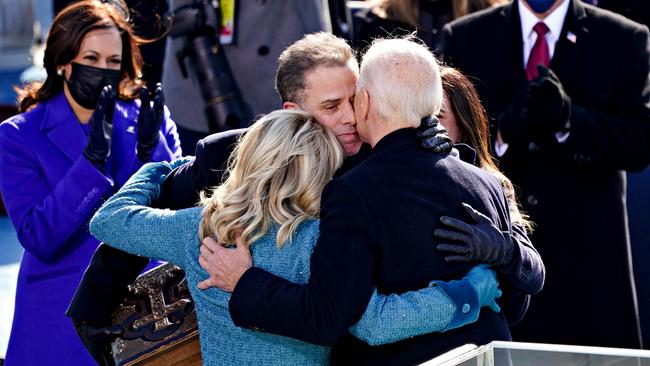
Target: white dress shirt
{"type": "Point", "coordinates": [553, 21]}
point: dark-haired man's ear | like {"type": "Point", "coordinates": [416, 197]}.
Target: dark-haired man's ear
{"type": "Point", "coordinates": [290, 105]}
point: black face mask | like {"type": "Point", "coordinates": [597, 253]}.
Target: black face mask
{"type": "Point", "coordinates": [86, 83]}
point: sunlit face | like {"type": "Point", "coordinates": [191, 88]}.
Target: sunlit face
{"type": "Point", "coordinates": [100, 48]}
{"type": "Point", "coordinates": [329, 96]}
{"type": "Point", "coordinates": [448, 119]}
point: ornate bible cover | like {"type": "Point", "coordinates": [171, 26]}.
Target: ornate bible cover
{"type": "Point", "coordinates": [159, 321]}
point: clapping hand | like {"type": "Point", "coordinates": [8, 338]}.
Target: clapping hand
{"type": "Point", "coordinates": [150, 118]}
{"type": "Point", "coordinates": [541, 109]}
{"type": "Point", "coordinates": [549, 107]}
{"type": "Point", "coordinates": [100, 132]}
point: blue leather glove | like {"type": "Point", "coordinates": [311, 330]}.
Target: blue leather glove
{"type": "Point", "coordinates": [181, 161]}
{"type": "Point", "coordinates": [433, 135]}
{"type": "Point", "coordinates": [476, 241]}
{"type": "Point", "coordinates": [100, 124]}
{"type": "Point", "coordinates": [150, 118]}
{"type": "Point", "coordinates": [484, 281]}
{"type": "Point", "coordinates": [155, 173]}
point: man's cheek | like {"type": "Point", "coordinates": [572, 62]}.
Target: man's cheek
{"type": "Point", "coordinates": [350, 138]}
{"type": "Point", "coordinates": [352, 148]}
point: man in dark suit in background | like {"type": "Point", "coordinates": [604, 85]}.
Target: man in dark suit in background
{"type": "Point", "coordinates": [638, 194]}
{"type": "Point", "coordinates": [565, 136]}
{"type": "Point", "coordinates": [377, 225]}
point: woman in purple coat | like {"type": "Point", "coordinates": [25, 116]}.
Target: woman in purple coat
{"type": "Point", "coordinates": [81, 135]}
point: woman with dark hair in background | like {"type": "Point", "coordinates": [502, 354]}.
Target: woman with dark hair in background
{"type": "Point", "coordinates": [463, 116]}
{"type": "Point", "coordinates": [80, 136]}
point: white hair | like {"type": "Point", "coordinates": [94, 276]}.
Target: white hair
{"type": "Point", "coordinates": [403, 79]}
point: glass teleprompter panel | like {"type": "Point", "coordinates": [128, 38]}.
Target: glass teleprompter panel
{"type": "Point", "coordinates": [536, 354]}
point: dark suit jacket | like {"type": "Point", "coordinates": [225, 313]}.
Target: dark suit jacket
{"type": "Point", "coordinates": [637, 10]}
{"type": "Point", "coordinates": [575, 191]}
{"type": "Point", "coordinates": [377, 224]}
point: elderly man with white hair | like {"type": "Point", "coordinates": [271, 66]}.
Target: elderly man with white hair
{"type": "Point", "coordinates": [377, 224]}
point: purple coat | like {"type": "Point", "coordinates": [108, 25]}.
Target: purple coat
{"type": "Point", "coordinates": [51, 191]}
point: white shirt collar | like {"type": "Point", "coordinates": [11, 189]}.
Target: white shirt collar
{"type": "Point", "coordinates": [553, 21]}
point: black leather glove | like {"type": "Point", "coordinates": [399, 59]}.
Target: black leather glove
{"type": "Point", "coordinates": [98, 340]}
{"type": "Point", "coordinates": [512, 122]}
{"type": "Point", "coordinates": [150, 119]}
{"type": "Point", "coordinates": [540, 110]}
{"type": "Point", "coordinates": [433, 135]}
{"type": "Point", "coordinates": [549, 107]}
{"type": "Point", "coordinates": [480, 241]}
{"type": "Point", "coordinates": [100, 125]}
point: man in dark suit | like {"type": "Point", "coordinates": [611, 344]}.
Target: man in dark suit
{"type": "Point", "coordinates": [564, 136]}
{"type": "Point", "coordinates": [638, 195]}
{"type": "Point", "coordinates": [377, 224]}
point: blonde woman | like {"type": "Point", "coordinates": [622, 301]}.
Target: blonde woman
{"type": "Point", "coordinates": [272, 199]}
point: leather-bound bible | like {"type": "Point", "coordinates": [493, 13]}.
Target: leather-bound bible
{"type": "Point", "coordinates": [158, 321]}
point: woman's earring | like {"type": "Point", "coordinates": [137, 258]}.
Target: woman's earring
{"type": "Point", "coordinates": [59, 72]}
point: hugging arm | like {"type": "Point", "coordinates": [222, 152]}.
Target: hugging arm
{"type": "Point", "coordinates": [512, 254]}
{"type": "Point", "coordinates": [389, 318]}
{"type": "Point", "coordinates": [479, 240]}
{"type": "Point", "coordinates": [526, 272]}
{"type": "Point", "coordinates": [438, 308]}
{"type": "Point", "coordinates": [128, 223]}
{"type": "Point", "coordinates": [339, 287]}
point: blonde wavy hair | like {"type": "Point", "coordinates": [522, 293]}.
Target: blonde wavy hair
{"type": "Point", "coordinates": [276, 174]}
